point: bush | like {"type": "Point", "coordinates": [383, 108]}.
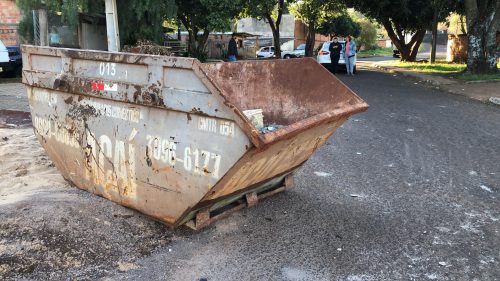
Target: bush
{"type": "Point", "coordinates": [368, 36]}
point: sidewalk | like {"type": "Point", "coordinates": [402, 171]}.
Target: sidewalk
{"type": "Point", "coordinates": [488, 92]}
{"type": "Point", "coordinates": [13, 97]}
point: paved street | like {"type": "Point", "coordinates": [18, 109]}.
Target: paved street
{"type": "Point", "coordinates": [408, 190]}
{"type": "Point", "coordinates": [13, 97]}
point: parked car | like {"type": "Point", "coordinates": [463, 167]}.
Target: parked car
{"type": "Point", "coordinates": [4, 57]}
{"type": "Point", "coordinates": [265, 52]}
{"type": "Point", "coordinates": [299, 52]}
{"type": "Point", "coordinates": [324, 56]}
{"type": "Point", "coordinates": [395, 53]}
{"type": "Point", "coordinates": [11, 62]}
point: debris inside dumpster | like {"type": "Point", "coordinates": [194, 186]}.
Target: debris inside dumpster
{"type": "Point", "coordinates": [256, 117]}
{"type": "Point", "coordinates": [150, 48]}
{"type": "Point", "coordinates": [271, 128]}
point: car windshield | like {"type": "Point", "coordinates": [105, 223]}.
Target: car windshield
{"type": "Point", "coordinates": [301, 47]}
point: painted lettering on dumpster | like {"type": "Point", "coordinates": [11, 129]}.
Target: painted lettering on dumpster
{"type": "Point", "coordinates": [110, 163]}
{"type": "Point", "coordinates": [216, 126]}
{"type": "Point", "coordinates": [193, 160]}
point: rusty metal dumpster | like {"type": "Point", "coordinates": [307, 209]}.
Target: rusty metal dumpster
{"type": "Point", "coordinates": [168, 136]}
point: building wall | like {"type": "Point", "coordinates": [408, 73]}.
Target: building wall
{"type": "Point", "coordinates": [261, 27]}
{"type": "Point", "coordinates": [301, 34]}
{"type": "Point", "coordinates": [9, 22]}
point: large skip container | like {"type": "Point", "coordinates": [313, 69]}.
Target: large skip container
{"type": "Point", "coordinates": [168, 136]}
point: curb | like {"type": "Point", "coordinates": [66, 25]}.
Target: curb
{"type": "Point", "coordinates": [482, 81]}
{"type": "Point", "coordinates": [436, 84]}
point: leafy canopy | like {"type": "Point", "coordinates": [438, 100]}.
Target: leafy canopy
{"type": "Point", "coordinates": [136, 19]}
{"type": "Point", "coordinates": [342, 25]}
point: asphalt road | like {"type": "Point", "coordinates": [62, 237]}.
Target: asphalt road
{"type": "Point", "coordinates": [408, 190]}
{"type": "Point", "coordinates": [424, 166]}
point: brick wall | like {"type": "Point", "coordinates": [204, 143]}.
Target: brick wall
{"type": "Point", "coordinates": [301, 33]}
{"type": "Point", "coordinates": [9, 22]}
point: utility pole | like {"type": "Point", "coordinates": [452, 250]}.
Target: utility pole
{"type": "Point", "coordinates": [43, 23]}
{"type": "Point", "coordinates": [112, 26]}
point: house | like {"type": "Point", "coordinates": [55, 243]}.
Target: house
{"type": "Point", "coordinates": [290, 29]}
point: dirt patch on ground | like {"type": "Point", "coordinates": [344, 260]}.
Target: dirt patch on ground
{"type": "Point", "coordinates": [51, 230]}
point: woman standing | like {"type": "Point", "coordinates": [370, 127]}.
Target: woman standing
{"type": "Point", "coordinates": [349, 53]}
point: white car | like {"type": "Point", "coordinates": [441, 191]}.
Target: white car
{"type": "Point", "coordinates": [297, 53]}
{"type": "Point", "coordinates": [324, 56]}
{"type": "Point", "coordinates": [4, 57]}
{"type": "Point", "coordinates": [265, 52]}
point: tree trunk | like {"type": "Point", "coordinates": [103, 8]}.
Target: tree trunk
{"type": "Point", "coordinates": [482, 20]}
{"type": "Point", "coordinates": [415, 42]}
{"type": "Point", "coordinates": [434, 34]}
{"type": "Point", "coordinates": [310, 40]}
{"type": "Point", "coordinates": [196, 43]}
{"type": "Point", "coordinates": [179, 29]}
{"type": "Point", "coordinates": [275, 28]}
{"type": "Point", "coordinates": [408, 51]}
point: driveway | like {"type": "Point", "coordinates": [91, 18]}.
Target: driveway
{"type": "Point", "coordinates": [405, 191]}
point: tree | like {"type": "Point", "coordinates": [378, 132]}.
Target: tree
{"type": "Point", "coordinates": [314, 13]}
{"type": "Point", "coordinates": [483, 18]}
{"type": "Point", "coordinates": [342, 25]}
{"type": "Point", "coordinates": [136, 19]}
{"type": "Point", "coordinates": [441, 10]}
{"type": "Point", "coordinates": [456, 24]}
{"type": "Point", "coordinates": [200, 17]}
{"type": "Point", "coordinates": [143, 20]}
{"type": "Point", "coordinates": [368, 35]}
{"type": "Point", "coordinates": [271, 11]}
{"type": "Point", "coordinates": [401, 18]}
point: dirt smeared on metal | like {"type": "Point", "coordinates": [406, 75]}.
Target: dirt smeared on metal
{"type": "Point", "coordinates": [14, 119]}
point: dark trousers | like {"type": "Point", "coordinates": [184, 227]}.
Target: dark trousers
{"type": "Point", "coordinates": [335, 62]}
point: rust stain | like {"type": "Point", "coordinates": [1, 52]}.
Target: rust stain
{"type": "Point", "coordinates": [69, 100]}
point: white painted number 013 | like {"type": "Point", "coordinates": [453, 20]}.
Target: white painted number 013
{"type": "Point", "coordinates": [106, 68]}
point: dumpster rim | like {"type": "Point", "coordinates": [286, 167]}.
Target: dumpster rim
{"type": "Point", "coordinates": [263, 140]}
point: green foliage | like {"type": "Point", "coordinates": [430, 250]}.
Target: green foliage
{"type": "Point", "coordinates": [376, 52]}
{"type": "Point", "coordinates": [136, 19]}
{"type": "Point", "coordinates": [368, 35]}
{"type": "Point", "coordinates": [271, 11]}
{"type": "Point", "coordinates": [143, 20]}
{"type": "Point", "coordinates": [457, 24]}
{"type": "Point", "coordinates": [260, 9]}
{"type": "Point", "coordinates": [342, 25]}
{"type": "Point", "coordinates": [314, 13]}
{"type": "Point", "coordinates": [440, 67]}
{"type": "Point", "coordinates": [205, 16]}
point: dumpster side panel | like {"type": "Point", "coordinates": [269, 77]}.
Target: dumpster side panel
{"type": "Point", "coordinates": [288, 91]}
{"type": "Point", "coordinates": [259, 165]}
{"type": "Point", "coordinates": [123, 129]}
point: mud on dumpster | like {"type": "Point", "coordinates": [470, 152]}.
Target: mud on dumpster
{"type": "Point", "coordinates": [173, 137]}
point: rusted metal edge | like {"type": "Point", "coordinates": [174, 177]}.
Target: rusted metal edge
{"type": "Point", "coordinates": [78, 86]}
{"type": "Point", "coordinates": [240, 118]}
{"type": "Point", "coordinates": [203, 218]}
{"type": "Point", "coordinates": [298, 127]}
{"type": "Point", "coordinates": [117, 57]}
{"type": "Point", "coordinates": [229, 198]}
{"type": "Point", "coordinates": [262, 140]}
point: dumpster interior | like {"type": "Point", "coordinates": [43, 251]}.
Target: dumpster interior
{"type": "Point", "coordinates": [286, 91]}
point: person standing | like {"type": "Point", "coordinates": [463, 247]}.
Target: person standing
{"type": "Point", "coordinates": [232, 49]}
{"type": "Point", "coordinates": [335, 48]}
{"type": "Point", "coordinates": [349, 53]}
